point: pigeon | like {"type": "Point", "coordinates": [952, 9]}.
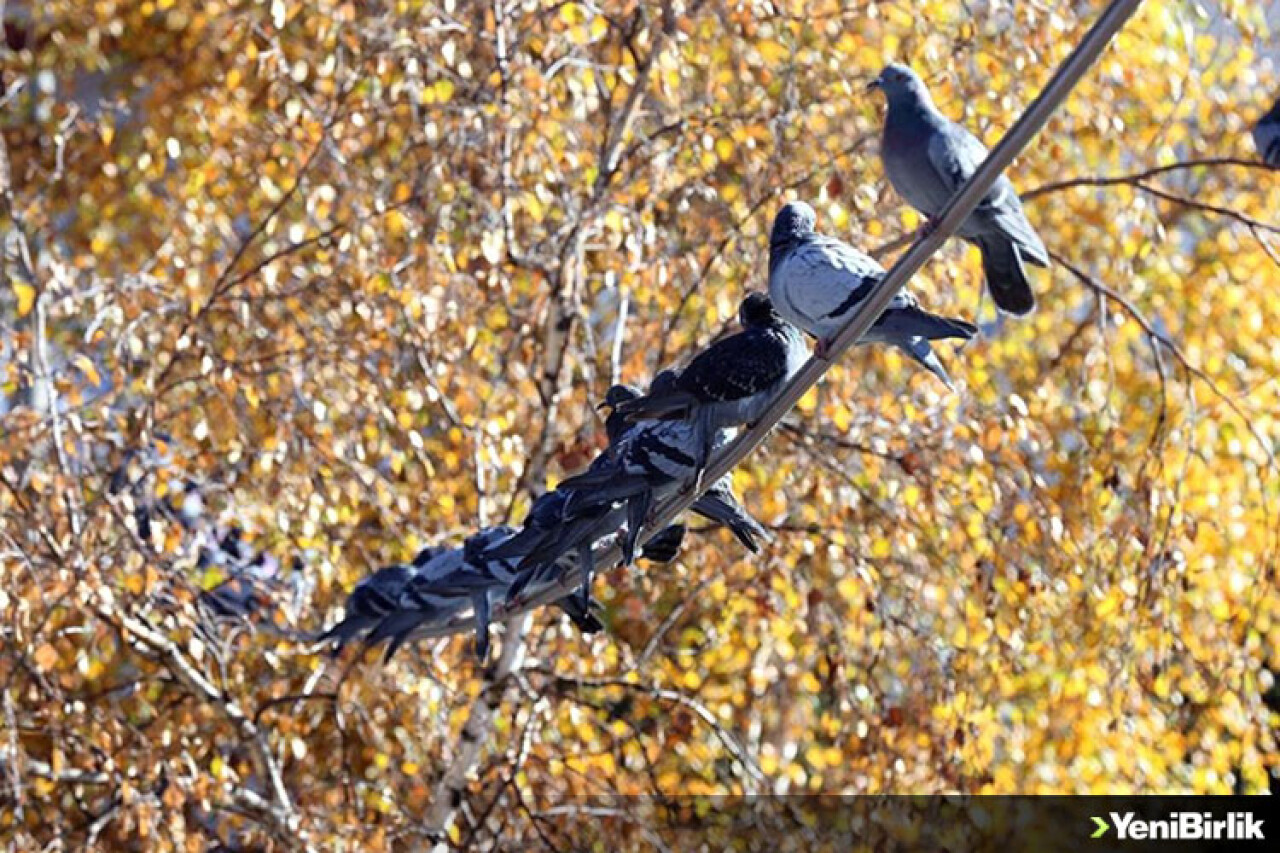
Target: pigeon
{"type": "Point", "coordinates": [730, 383]}
{"type": "Point", "coordinates": [443, 587]}
{"type": "Point", "coordinates": [617, 424]}
{"type": "Point", "coordinates": [649, 463]}
{"type": "Point", "coordinates": [718, 503]}
{"type": "Point", "coordinates": [819, 282]}
{"type": "Point", "coordinates": [656, 460]}
{"type": "Point", "coordinates": [374, 597]}
{"type": "Point", "coordinates": [454, 579]}
{"type": "Point", "coordinates": [568, 521]}
{"type": "Point", "coordinates": [928, 157]}
{"type": "Point", "coordinates": [1266, 136]}
{"type": "Point", "coordinates": [614, 498]}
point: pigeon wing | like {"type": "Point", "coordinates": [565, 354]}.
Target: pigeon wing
{"type": "Point", "coordinates": [737, 367]}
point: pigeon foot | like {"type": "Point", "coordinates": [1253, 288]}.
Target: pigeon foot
{"type": "Point", "coordinates": [924, 230]}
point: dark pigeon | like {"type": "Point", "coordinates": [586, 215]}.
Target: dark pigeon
{"type": "Point", "coordinates": [819, 282]}
{"type": "Point", "coordinates": [732, 382]}
{"type": "Point", "coordinates": [719, 504]}
{"type": "Point", "coordinates": [368, 604]}
{"type": "Point", "coordinates": [928, 157]}
{"type": "Point", "coordinates": [448, 581]}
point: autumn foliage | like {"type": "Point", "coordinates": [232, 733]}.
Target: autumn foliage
{"type": "Point", "coordinates": [363, 269]}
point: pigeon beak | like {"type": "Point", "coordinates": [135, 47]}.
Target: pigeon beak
{"type": "Point", "coordinates": [877, 83]}
{"type": "Point", "coordinates": [602, 406]}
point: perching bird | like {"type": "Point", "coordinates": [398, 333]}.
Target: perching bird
{"type": "Point", "coordinates": [617, 424]}
{"type": "Point", "coordinates": [1266, 136]}
{"type": "Point", "coordinates": [718, 503]}
{"type": "Point", "coordinates": [928, 157]}
{"type": "Point", "coordinates": [651, 462]}
{"type": "Point", "coordinates": [567, 521]}
{"type": "Point", "coordinates": [445, 586]}
{"type": "Point", "coordinates": [648, 463]}
{"type": "Point", "coordinates": [469, 576]}
{"type": "Point", "coordinates": [818, 282]}
{"type": "Point", "coordinates": [732, 382]}
{"type": "Point", "coordinates": [614, 496]}
{"type": "Point", "coordinates": [374, 597]}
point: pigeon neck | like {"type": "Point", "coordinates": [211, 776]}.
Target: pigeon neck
{"type": "Point", "coordinates": [779, 248]}
{"type": "Point", "coordinates": [915, 100]}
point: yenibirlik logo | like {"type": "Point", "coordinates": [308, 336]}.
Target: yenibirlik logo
{"type": "Point", "coordinates": [1183, 826]}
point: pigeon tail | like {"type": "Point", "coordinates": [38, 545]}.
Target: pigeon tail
{"type": "Point", "coordinates": [480, 606]}
{"type": "Point", "coordinates": [581, 617]}
{"type": "Point", "coordinates": [344, 632]}
{"type": "Point", "coordinates": [914, 322]}
{"type": "Point", "coordinates": [524, 542]}
{"type": "Point", "coordinates": [595, 490]}
{"type": "Point", "coordinates": [920, 352]}
{"type": "Point", "coordinates": [729, 512]}
{"type": "Point", "coordinates": [396, 627]}
{"type": "Point", "coordinates": [1006, 277]}
{"type": "Point", "coordinates": [637, 514]}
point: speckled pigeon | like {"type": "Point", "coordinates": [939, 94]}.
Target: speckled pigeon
{"type": "Point", "coordinates": [818, 282]}
{"type": "Point", "coordinates": [928, 157]}
{"type": "Point", "coordinates": [732, 382]}
{"type": "Point", "coordinates": [1266, 136]}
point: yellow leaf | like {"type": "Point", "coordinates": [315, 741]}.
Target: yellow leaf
{"type": "Point", "coordinates": [88, 368]}
{"type": "Point", "coordinates": [26, 297]}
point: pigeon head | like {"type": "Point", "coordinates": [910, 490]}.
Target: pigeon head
{"type": "Point", "coordinates": [794, 221]}
{"type": "Point", "coordinates": [427, 554]}
{"type": "Point", "coordinates": [757, 310]}
{"type": "Point", "coordinates": [617, 424]}
{"type": "Point", "coordinates": [617, 395]}
{"type": "Point", "coordinates": [901, 85]}
{"type": "Point", "coordinates": [793, 224]}
{"type": "Point", "coordinates": [665, 381]}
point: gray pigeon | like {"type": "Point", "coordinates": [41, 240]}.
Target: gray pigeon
{"type": "Point", "coordinates": [375, 596]}
{"type": "Point", "coordinates": [614, 496]}
{"type": "Point", "coordinates": [719, 503]}
{"type": "Point", "coordinates": [818, 282]}
{"type": "Point", "coordinates": [928, 157]}
{"type": "Point", "coordinates": [444, 587]}
{"type": "Point", "coordinates": [1266, 136]}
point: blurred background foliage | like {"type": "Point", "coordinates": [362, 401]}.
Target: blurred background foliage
{"type": "Point", "coordinates": [364, 267]}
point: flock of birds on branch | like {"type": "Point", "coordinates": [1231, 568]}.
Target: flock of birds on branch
{"type": "Point", "coordinates": [660, 441]}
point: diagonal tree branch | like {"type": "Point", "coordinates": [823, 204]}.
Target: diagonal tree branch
{"type": "Point", "coordinates": [1146, 174]}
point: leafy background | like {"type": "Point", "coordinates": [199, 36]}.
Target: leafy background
{"type": "Point", "coordinates": [365, 267]}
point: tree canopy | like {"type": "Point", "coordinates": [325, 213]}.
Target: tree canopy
{"type": "Point", "coordinates": [363, 270]}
